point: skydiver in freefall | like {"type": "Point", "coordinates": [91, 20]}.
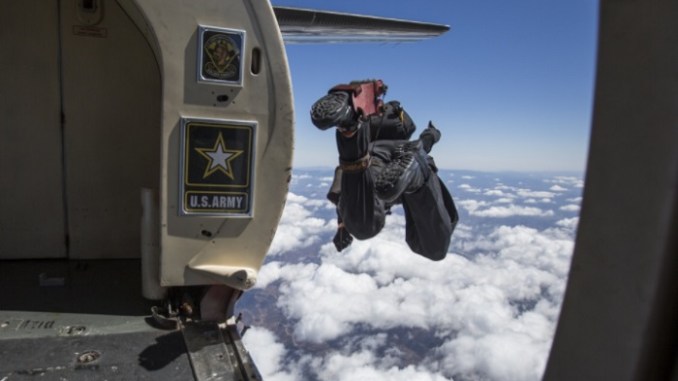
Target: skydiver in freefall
{"type": "Point", "coordinates": [380, 167]}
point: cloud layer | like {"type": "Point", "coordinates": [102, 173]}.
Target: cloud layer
{"type": "Point", "coordinates": [377, 311]}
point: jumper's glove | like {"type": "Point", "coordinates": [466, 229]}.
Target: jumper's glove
{"type": "Point", "coordinates": [342, 239]}
{"type": "Point", "coordinates": [429, 136]}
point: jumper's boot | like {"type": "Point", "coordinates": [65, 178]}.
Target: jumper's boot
{"type": "Point", "coordinates": [406, 173]}
{"type": "Point", "coordinates": [334, 110]}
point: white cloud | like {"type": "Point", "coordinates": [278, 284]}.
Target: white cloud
{"type": "Point", "coordinates": [503, 187]}
{"type": "Point", "coordinates": [498, 193]}
{"type": "Point", "coordinates": [508, 355]}
{"type": "Point", "coordinates": [471, 205]}
{"type": "Point", "coordinates": [477, 208]}
{"type": "Point", "coordinates": [298, 227]}
{"type": "Point", "coordinates": [473, 298]}
{"type": "Point", "coordinates": [558, 188]}
{"type": "Point", "coordinates": [567, 180]}
{"type": "Point", "coordinates": [268, 354]}
{"type": "Point", "coordinates": [534, 194]}
{"type": "Point", "coordinates": [469, 188]}
{"type": "Point", "coordinates": [462, 232]}
{"type": "Point", "coordinates": [494, 192]}
{"type": "Point", "coordinates": [569, 223]}
{"type": "Point", "coordinates": [493, 310]}
{"type": "Point", "coordinates": [484, 209]}
{"type": "Point", "coordinates": [366, 365]}
{"type": "Point", "coordinates": [302, 176]}
{"type": "Point", "coordinates": [358, 361]}
{"type": "Point", "coordinates": [510, 211]}
{"type": "Point", "coordinates": [570, 208]}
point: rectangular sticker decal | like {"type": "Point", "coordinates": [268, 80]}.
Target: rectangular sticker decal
{"type": "Point", "coordinates": [220, 55]}
{"type": "Point", "coordinates": [217, 165]}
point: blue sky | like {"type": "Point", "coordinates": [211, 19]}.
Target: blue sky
{"type": "Point", "coordinates": [510, 85]}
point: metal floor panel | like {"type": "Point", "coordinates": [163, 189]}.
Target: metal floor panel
{"type": "Point", "coordinates": [82, 320]}
{"type": "Point", "coordinates": [150, 355]}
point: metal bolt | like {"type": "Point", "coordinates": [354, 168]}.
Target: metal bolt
{"type": "Point", "coordinates": [88, 357]}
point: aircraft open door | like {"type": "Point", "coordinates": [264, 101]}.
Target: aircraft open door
{"type": "Point", "coordinates": [188, 103]}
{"type": "Point", "coordinates": [226, 141]}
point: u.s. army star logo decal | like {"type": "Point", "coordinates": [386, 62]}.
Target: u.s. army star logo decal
{"type": "Point", "coordinates": [217, 167]}
{"type": "Point", "coordinates": [219, 158]}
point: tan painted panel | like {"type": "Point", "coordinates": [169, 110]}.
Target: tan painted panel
{"type": "Point", "coordinates": [206, 250]}
{"type": "Point", "coordinates": [112, 131]}
{"type": "Point", "coordinates": [31, 199]}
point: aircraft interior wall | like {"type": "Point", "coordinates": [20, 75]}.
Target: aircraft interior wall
{"type": "Point", "coordinates": [80, 105]}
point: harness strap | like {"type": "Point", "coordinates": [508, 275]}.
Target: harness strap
{"type": "Point", "coordinates": [356, 166]}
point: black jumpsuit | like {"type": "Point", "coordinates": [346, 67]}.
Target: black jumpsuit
{"type": "Point", "coordinates": [430, 213]}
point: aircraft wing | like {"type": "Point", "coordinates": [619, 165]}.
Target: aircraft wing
{"type": "Point", "coordinates": [313, 26]}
